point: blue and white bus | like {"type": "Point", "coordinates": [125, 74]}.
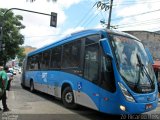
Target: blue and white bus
{"type": "Point", "coordinates": [104, 70]}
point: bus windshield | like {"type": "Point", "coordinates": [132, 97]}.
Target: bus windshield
{"type": "Point", "coordinates": [133, 63]}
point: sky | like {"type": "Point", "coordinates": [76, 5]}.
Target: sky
{"type": "Point", "coordinates": [76, 15]}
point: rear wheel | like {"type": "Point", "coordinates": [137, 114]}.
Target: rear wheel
{"type": "Point", "coordinates": [68, 98]}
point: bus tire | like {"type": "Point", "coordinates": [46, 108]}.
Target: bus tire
{"type": "Point", "coordinates": [68, 98]}
{"type": "Point", "coordinates": [32, 86]}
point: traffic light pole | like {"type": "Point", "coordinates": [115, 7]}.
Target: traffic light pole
{"type": "Point", "coordinates": [1, 36]}
{"type": "Point", "coordinates": [52, 23]}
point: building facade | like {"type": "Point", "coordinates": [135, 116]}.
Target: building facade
{"type": "Point", "coordinates": [150, 40]}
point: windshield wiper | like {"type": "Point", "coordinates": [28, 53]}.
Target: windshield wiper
{"type": "Point", "coordinates": [142, 69]}
{"type": "Point", "coordinates": [140, 64]}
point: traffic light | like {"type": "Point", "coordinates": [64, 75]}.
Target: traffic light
{"type": "Point", "coordinates": [53, 20]}
{"type": "Point", "coordinates": [2, 46]}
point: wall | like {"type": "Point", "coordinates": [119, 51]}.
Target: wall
{"type": "Point", "coordinates": [150, 40]}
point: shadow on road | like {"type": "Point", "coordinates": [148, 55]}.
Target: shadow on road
{"type": "Point", "coordinates": [83, 113]}
{"type": "Point", "coordinates": [80, 112]}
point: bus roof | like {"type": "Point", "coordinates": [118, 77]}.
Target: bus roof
{"type": "Point", "coordinates": [77, 35]}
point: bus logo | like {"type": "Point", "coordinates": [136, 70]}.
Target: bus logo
{"type": "Point", "coordinates": [79, 85]}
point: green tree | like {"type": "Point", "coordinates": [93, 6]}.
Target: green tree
{"type": "Point", "coordinates": [11, 35]}
{"type": "Point", "coordinates": [21, 55]}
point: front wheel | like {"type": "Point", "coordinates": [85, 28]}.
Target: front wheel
{"type": "Point", "coordinates": [68, 98]}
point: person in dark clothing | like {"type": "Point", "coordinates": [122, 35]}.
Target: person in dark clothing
{"type": "Point", "coordinates": [3, 85]}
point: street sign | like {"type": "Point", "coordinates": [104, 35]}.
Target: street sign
{"type": "Point", "coordinates": [53, 21]}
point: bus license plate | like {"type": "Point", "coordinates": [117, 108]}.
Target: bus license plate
{"type": "Point", "coordinates": [148, 106]}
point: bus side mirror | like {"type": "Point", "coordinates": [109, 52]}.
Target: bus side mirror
{"type": "Point", "coordinates": [149, 55]}
{"type": "Point", "coordinates": [106, 47]}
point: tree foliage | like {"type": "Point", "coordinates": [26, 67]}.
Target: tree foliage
{"type": "Point", "coordinates": [21, 55]}
{"type": "Point", "coordinates": [11, 35]}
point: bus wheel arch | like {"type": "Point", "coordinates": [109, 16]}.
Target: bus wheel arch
{"type": "Point", "coordinates": [67, 96]}
{"type": "Point", "coordinates": [31, 87]}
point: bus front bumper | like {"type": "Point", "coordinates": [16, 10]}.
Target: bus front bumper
{"type": "Point", "coordinates": [137, 108]}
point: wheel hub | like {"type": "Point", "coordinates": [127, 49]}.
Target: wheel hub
{"type": "Point", "coordinates": [69, 97]}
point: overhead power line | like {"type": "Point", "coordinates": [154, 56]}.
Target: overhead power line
{"type": "Point", "coordinates": [86, 23]}
{"type": "Point", "coordinates": [141, 22]}
{"type": "Point", "coordinates": [83, 20]}
{"type": "Point", "coordinates": [136, 15]}
{"type": "Point", "coordinates": [133, 2]}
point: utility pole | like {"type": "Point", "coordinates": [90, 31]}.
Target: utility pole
{"type": "Point", "coordinates": [106, 6]}
{"type": "Point", "coordinates": [110, 13]}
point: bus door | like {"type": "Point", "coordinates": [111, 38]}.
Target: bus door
{"type": "Point", "coordinates": [107, 84]}
{"type": "Point", "coordinates": [107, 78]}
{"type": "Point", "coordinates": [88, 89]}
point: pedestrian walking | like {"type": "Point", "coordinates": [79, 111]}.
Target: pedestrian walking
{"type": "Point", "coordinates": [3, 86]}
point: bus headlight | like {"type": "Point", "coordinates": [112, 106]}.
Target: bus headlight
{"type": "Point", "coordinates": [123, 108]}
{"type": "Point", "coordinates": [125, 92]}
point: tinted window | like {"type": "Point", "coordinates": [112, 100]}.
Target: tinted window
{"type": "Point", "coordinates": [38, 62]}
{"type": "Point", "coordinates": [107, 75]}
{"type": "Point", "coordinates": [56, 57]}
{"type": "Point", "coordinates": [91, 62]}
{"type": "Point", "coordinates": [30, 63]}
{"type": "Point", "coordinates": [92, 39]}
{"type": "Point", "coordinates": [46, 59]}
{"type": "Point", "coordinates": [71, 55]}
{"type": "Point", "coordinates": [34, 62]}
{"type": "Point", "coordinates": [71, 61]}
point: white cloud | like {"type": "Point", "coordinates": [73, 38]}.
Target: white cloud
{"type": "Point", "coordinates": [100, 26]}
{"type": "Point", "coordinates": [71, 30]}
{"type": "Point", "coordinates": [67, 3]}
{"type": "Point", "coordinates": [139, 22]}
{"type": "Point", "coordinates": [36, 24]}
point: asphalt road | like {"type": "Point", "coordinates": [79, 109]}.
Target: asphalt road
{"type": "Point", "coordinates": [25, 105]}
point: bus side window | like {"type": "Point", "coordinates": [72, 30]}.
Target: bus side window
{"type": "Point", "coordinates": [71, 57]}
{"type": "Point", "coordinates": [46, 59]}
{"type": "Point", "coordinates": [107, 74]}
{"type": "Point", "coordinates": [38, 62]}
{"type": "Point", "coordinates": [91, 63]}
{"type": "Point", "coordinates": [56, 58]}
{"type": "Point", "coordinates": [30, 63]}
